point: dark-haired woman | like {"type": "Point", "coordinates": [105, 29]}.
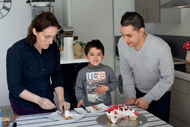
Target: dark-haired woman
{"type": "Point", "coordinates": [32, 63]}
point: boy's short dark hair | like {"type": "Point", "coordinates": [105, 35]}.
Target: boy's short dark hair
{"type": "Point", "coordinates": [134, 19]}
{"type": "Point", "coordinates": [94, 43]}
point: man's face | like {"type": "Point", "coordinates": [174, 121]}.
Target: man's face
{"type": "Point", "coordinates": [131, 37]}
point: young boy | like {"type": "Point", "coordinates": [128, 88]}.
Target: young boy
{"type": "Point", "coordinates": [95, 81]}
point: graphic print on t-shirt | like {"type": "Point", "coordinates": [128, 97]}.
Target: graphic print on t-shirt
{"type": "Point", "coordinates": [93, 79]}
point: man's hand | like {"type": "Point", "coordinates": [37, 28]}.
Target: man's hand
{"type": "Point", "coordinates": [130, 101]}
{"type": "Point", "coordinates": [101, 89]}
{"type": "Point", "coordinates": [81, 102]}
{"type": "Point", "coordinates": [142, 103]}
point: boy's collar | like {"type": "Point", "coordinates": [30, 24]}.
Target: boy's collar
{"type": "Point", "coordinates": [91, 66]}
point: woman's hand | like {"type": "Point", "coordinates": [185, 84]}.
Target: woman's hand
{"type": "Point", "coordinates": [81, 102]}
{"type": "Point", "coordinates": [101, 89]}
{"type": "Point", "coordinates": [63, 105]}
{"type": "Point", "coordinates": [46, 104]}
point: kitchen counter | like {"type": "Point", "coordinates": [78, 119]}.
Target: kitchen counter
{"type": "Point", "coordinates": [70, 61]}
{"type": "Point", "coordinates": [182, 75]}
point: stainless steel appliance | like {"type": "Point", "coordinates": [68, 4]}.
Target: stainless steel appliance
{"type": "Point", "coordinates": [120, 96]}
{"type": "Point", "coordinates": [177, 4]}
{"type": "Point", "coordinates": [38, 7]}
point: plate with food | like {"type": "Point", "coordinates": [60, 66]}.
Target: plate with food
{"type": "Point", "coordinates": [120, 116]}
{"type": "Point", "coordinates": [6, 119]}
{"type": "Point", "coordinates": [92, 109]}
{"type": "Point", "coordinates": [66, 117]}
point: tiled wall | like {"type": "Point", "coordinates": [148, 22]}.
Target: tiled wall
{"type": "Point", "coordinates": [176, 43]}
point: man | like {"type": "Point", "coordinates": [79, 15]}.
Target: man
{"type": "Point", "coordinates": [146, 66]}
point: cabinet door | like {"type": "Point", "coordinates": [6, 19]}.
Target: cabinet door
{"type": "Point", "coordinates": [152, 11]}
{"type": "Point", "coordinates": [149, 10]}
{"type": "Point", "coordinates": [140, 7]}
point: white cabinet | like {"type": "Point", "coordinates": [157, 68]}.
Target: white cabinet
{"type": "Point", "coordinates": [180, 105]}
{"type": "Point", "coordinates": [152, 13]}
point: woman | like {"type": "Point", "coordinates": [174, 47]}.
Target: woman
{"type": "Point", "coordinates": [31, 62]}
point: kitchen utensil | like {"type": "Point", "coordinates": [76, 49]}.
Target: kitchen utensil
{"type": "Point", "coordinates": [85, 109]}
{"type": "Point", "coordinates": [59, 112]}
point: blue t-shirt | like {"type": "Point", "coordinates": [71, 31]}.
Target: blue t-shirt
{"type": "Point", "coordinates": [27, 69]}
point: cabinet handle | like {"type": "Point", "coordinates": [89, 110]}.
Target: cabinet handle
{"type": "Point", "coordinates": [146, 14]}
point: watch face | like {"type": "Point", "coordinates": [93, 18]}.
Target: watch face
{"type": "Point", "coordinates": [5, 7]}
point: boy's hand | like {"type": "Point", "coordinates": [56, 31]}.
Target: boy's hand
{"type": "Point", "coordinates": [81, 102]}
{"type": "Point", "coordinates": [101, 89]}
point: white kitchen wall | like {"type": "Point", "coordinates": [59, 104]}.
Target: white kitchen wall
{"type": "Point", "coordinates": [120, 7]}
{"type": "Point", "coordinates": [13, 27]}
{"type": "Point", "coordinates": [178, 29]}
{"type": "Point", "coordinates": [93, 19]}
{"type": "Point", "coordinates": [62, 11]}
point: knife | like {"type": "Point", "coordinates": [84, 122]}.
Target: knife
{"type": "Point", "coordinates": [59, 112]}
{"type": "Point", "coordinates": [85, 109]}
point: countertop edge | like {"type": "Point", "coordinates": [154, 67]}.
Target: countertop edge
{"type": "Point", "coordinates": [70, 61]}
{"type": "Point", "coordinates": [182, 75]}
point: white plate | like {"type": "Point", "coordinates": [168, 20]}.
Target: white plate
{"type": "Point", "coordinates": [82, 111]}
{"type": "Point", "coordinates": [56, 116]}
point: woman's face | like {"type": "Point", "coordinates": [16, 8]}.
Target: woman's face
{"type": "Point", "coordinates": [45, 38]}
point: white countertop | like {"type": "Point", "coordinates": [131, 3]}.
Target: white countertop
{"type": "Point", "coordinates": [182, 75]}
{"type": "Point", "coordinates": [70, 61]}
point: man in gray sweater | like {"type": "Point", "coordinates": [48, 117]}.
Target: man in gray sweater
{"type": "Point", "coordinates": [146, 66]}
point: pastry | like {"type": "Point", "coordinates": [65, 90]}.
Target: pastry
{"type": "Point", "coordinates": [67, 115]}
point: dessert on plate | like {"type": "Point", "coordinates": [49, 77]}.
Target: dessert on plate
{"type": "Point", "coordinates": [95, 108]}
{"type": "Point", "coordinates": [67, 115]}
{"type": "Point", "coordinates": [117, 113]}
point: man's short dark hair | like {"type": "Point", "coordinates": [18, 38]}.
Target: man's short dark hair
{"type": "Point", "coordinates": [94, 44]}
{"type": "Point", "coordinates": [134, 19]}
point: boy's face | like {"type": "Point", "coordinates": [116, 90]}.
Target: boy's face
{"type": "Point", "coordinates": [95, 56]}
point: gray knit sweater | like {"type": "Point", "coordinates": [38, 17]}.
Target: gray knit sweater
{"type": "Point", "coordinates": [88, 78]}
{"type": "Point", "coordinates": [150, 70]}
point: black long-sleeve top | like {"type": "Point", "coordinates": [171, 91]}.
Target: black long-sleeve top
{"type": "Point", "coordinates": [27, 69]}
